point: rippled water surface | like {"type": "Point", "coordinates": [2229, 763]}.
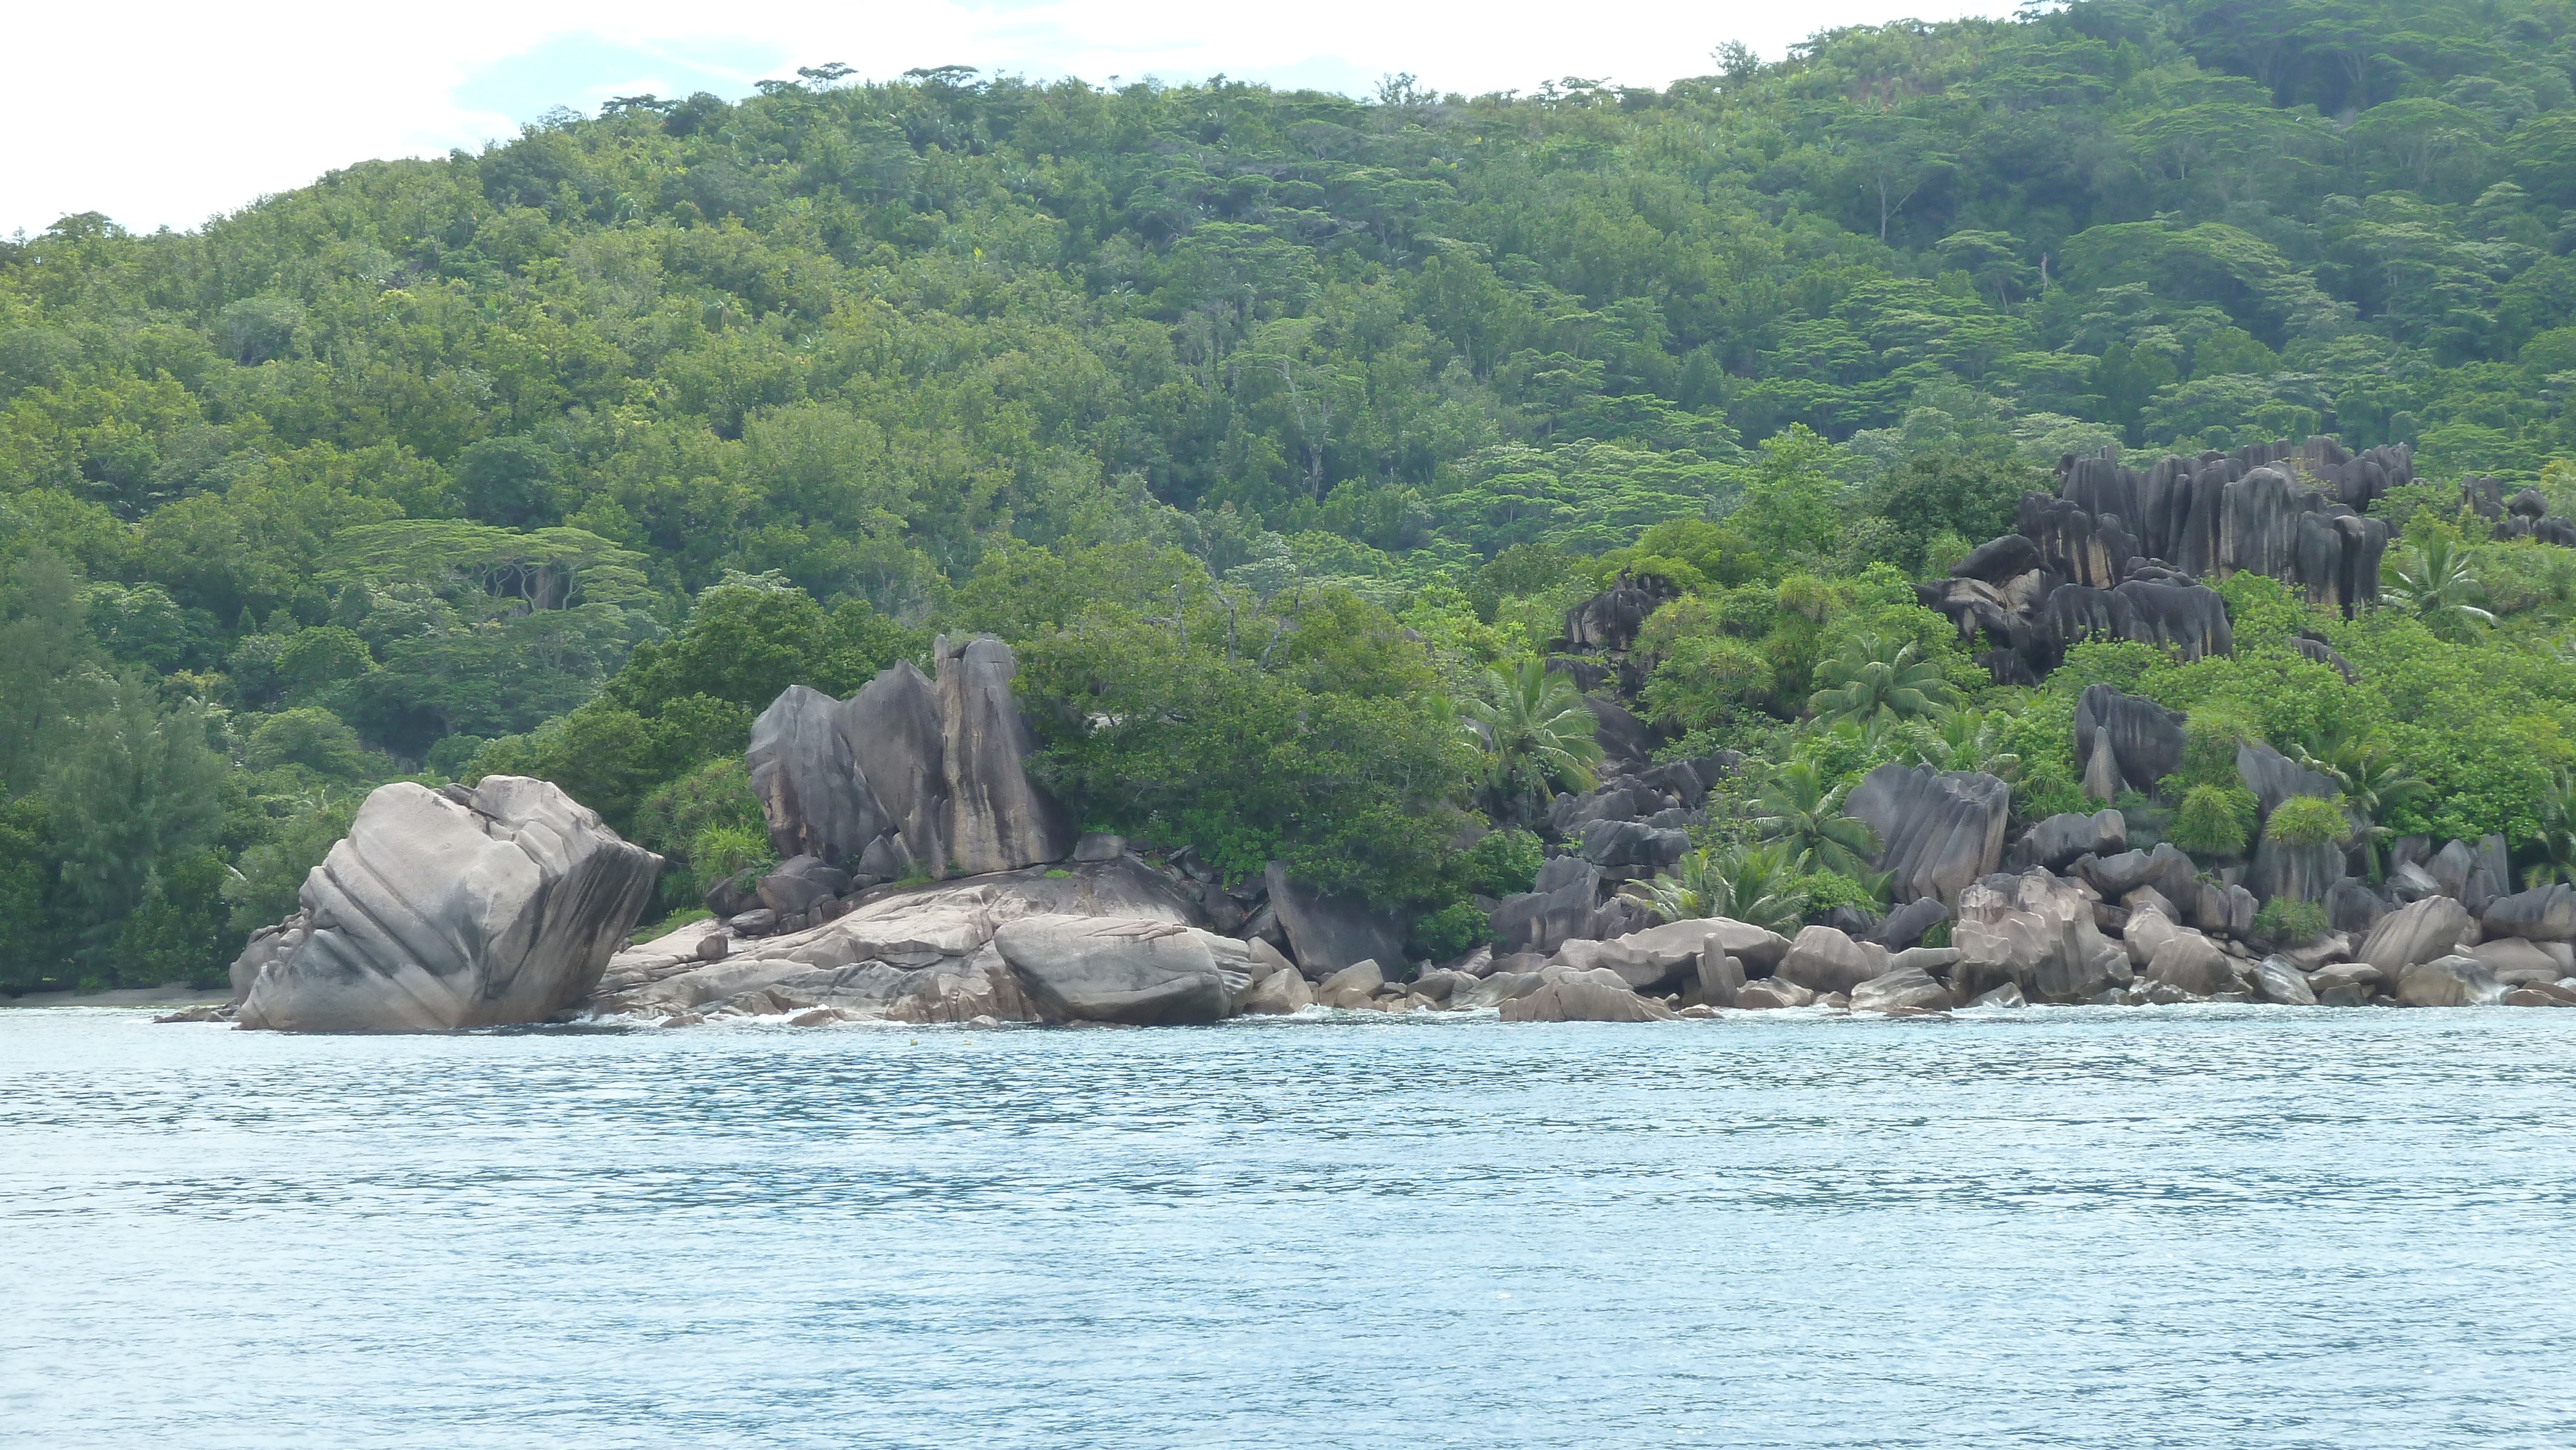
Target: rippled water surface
{"type": "Point", "coordinates": [2208, 1227]}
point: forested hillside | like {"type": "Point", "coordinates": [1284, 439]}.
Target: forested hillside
{"type": "Point", "coordinates": [1277, 431]}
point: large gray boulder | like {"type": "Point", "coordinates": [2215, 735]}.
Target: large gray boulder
{"type": "Point", "coordinates": [898, 745]}
{"type": "Point", "coordinates": [1906, 989]}
{"type": "Point", "coordinates": [453, 908]}
{"type": "Point", "coordinates": [1569, 995]}
{"type": "Point", "coordinates": [2280, 980]}
{"type": "Point", "coordinates": [1758, 948]}
{"type": "Point", "coordinates": [2145, 738]}
{"type": "Point", "coordinates": [1561, 907]}
{"type": "Point", "coordinates": [1824, 960]}
{"type": "Point", "coordinates": [2192, 963]}
{"type": "Point", "coordinates": [2166, 868]}
{"type": "Point", "coordinates": [2544, 913]}
{"type": "Point", "coordinates": [1142, 973]}
{"type": "Point", "coordinates": [2418, 932]}
{"type": "Point", "coordinates": [811, 793]}
{"type": "Point", "coordinates": [2451, 981]}
{"type": "Point", "coordinates": [1937, 830]}
{"type": "Point", "coordinates": [2054, 842]}
{"type": "Point", "coordinates": [1327, 933]}
{"type": "Point", "coordinates": [997, 818]}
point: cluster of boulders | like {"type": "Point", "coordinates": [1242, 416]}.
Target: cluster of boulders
{"type": "Point", "coordinates": [2526, 515]}
{"type": "Point", "coordinates": [2122, 553]}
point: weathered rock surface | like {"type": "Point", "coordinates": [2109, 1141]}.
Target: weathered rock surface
{"type": "Point", "coordinates": [1937, 830]}
{"type": "Point", "coordinates": [2060, 839]}
{"type": "Point", "coordinates": [1328, 933]}
{"type": "Point", "coordinates": [2274, 777]}
{"type": "Point", "coordinates": [1142, 973]}
{"type": "Point", "coordinates": [2192, 963]}
{"type": "Point", "coordinates": [2281, 981]}
{"type": "Point", "coordinates": [811, 792]}
{"type": "Point", "coordinates": [2166, 868]}
{"type": "Point", "coordinates": [2418, 932]}
{"type": "Point", "coordinates": [1907, 989]}
{"type": "Point", "coordinates": [2145, 740]}
{"type": "Point", "coordinates": [1906, 925]}
{"type": "Point", "coordinates": [1566, 995]}
{"type": "Point", "coordinates": [1771, 992]}
{"type": "Point", "coordinates": [997, 819]}
{"type": "Point", "coordinates": [2037, 932]}
{"type": "Point", "coordinates": [1824, 960]}
{"type": "Point", "coordinates": [896, 940]}
{"type": "Point", "coordinates": [2544, 913]}
{"type": "Point", "coordinates": [448, 909]}
{"type": "Point", "coordinates": [897, 743]}
{"type": "Point", "coordinates": [2449, 981]}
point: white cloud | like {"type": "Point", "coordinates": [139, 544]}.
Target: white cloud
{"type": "Point", "coordinates": [163, 114]}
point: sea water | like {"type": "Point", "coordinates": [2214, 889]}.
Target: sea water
{"type": "Point", "coordinates": [2181, 1227]}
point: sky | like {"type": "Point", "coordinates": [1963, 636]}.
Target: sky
{"type": "Point", "coordinates": [163, 114]}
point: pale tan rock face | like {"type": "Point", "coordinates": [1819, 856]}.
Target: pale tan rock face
{"type": "Point", "coordinates": [450, 909]}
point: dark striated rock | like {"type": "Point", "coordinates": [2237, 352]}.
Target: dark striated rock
{"type": "Point", "coordinates": [2353, 907]}
{"type": "Point", "coordinates": [2054, 842]}
{"type": "Point", "coordinates": [2294, 873]}
{"type": "Point", "coordinates": [997, 819]}
{"type": "Point", "coordinates": [448, 909]}
{"type": "Point", "coordinates": [2166, 868]}
{"type": "Point", "coordinates": [1632, 845]}
{"type": "Point", "coordinates": [2145, 738]}
{"type": "Point", "coordinates": [2190, 620]}
{"type": "Point", "coordinates": [1328, 933]}
{"type": "Point", "coordinates": [1999, 561]}
{"type": "Point", "coordinates": [2326, 655]}
{"type": "Point", "coordinates": [734, 895]}
{"type": "Point", "coordinates": [2274, 777]}
{"type": "Point", "coordinates": [897, 744]}
{"type": "Point", "coordinates": [1905, 926]}
{"type": "Point", "coordinates": [2472, 875]}
{"type": "Point", "coordinates": [1627, 743]}
{"type": "Point", "coordinates": [800, 882]}
{"type": "Point", "coordinates": [1610, 619]}
{"type": "Point", "coordinates": [2544, 913]}
{"type": "Point", "coordinates": [811, 793]}
{"type": "Point", "coordinates": [1937, 830]}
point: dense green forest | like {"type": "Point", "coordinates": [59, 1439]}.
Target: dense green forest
{"type": "Point", "coordinates": [1277, 431]}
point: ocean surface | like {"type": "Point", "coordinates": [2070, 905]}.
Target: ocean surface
{"type": "Point", "coordinates": [2100, 1227]}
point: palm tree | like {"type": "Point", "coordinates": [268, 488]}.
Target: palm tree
{"type": "Point", "coordinates": [1969, 740]}
{"type": "Point", "coordinates": [1869, 681]}
{"type": "Point", "coordinates": [1805, 816]}
{"type": "Point", "coordinates": [2373, 781]}
{"type": "Point", "coordinates": [2434, 584]}
{"type": "Point", "coordinates": [1745, 883]}
{"type": "Point", "coordinates": [1535, 731]}
{"type": "Point", "coordinates": [2556, 809]}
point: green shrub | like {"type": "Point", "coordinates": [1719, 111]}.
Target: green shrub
{"type": "Point", "coordinates": [1452, 931]}
{"type": "Point", "coordinates": [2289, 922]}
{"type": "Point", "coordinates": [2214, 820]}
{"type": "Point", "coordinates": [1503, 862]}
{"type": "Point", "coordinates": [2308, 820]}
{"type": "Point", "coordinates": [1822, 891]}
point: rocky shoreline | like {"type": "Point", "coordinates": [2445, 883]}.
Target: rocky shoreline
{"type": "Point", "coordinates": [926, 878]}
